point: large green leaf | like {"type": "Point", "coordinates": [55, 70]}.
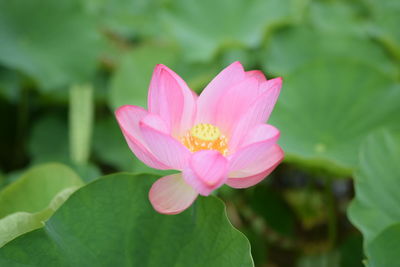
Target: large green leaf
{"type": "Point", "coordinates": [386, 20]}
{"type": "Point", "coordinates": [377, 184]}
{"type": "Point", "coordinates": [29, 201]}
{"type": "Point", "coordinates": [127, 17]}
{"type": "Point", "coordinates": [21, 222]}
{"type": "Point", "coordinates": [203, 27]}
{"type": "Point", "coordinates": [55, 42]}
{"type": "Point", "coordinates": [384, 250]}
{"type": "Point", "coordinates": [328, 106]}
{"type": "Point", "coordinates": [294, 48]}
{"type": "Point", "coordinates": [110, 223]}
{"type": "Point", "coordinates": [337, 17]}
{"type": "Point", "coordinates": [36, 188]}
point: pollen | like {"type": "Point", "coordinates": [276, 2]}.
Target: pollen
{"type": "Point", "coordinates": [205, 136]}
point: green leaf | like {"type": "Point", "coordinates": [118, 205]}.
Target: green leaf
{"type": "Point", "coordinates": [385, 23]}
{"type": "Point", "coordinates": [19, 223]}
{"type": "Point", "coordinates": [54, 42]}
{"type": "Point", "coordinates": [294, 48]}
{"type": "Point", "coordinates": [204, 27]}
{"type": "Point", "coordinates": [337, 17]}
{"type": "Point", "coordinates": [127, 17]}
{"type": "Point", "coordinates": [326, 109]}
{"type": "Point", "coordinates": [33, 198]}
{"type": "Point", "coordinates": [36, 188]}
{"type": "Point", "coordinates": [80, 123]}
{"type": "Point", "coordinates": [130, 82]}
{"type": "Point", "coordinates": [113, 217]}
{"type": "Point", "coordinates": [377, 185]}
{"type": "Point", "coordinates": [384, 250]}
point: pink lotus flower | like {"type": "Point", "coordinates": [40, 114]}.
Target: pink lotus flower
{"type": "Point", "coordinates": [219, 137]}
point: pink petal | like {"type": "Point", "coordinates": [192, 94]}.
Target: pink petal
{"type": "Point", "coordinates": [207, 171]}
{"type": "Point", "coordinates": [166, 148]}
{"type": "Point", "coordinates": [171, 194]}
{"type": "Point", "coordinates": [156, 122]}
{"type": "Point", "coordinates": [258, 170]}
{"type": "Point", "coordinates": [258, 112]}
{"type": "Point", "coordinates": [235, 102]}
{"type": "Point", "coordinates": [209, 98]}
{"type": "Point", "coordinates": [171, 99]}
{"type": "Point", "coordinates": [128, 118]}
{"type": "Point", "coordinates": [259, 75]}
{"type": "Point", "coordinates": [257, 144]}
{"type": "Point", "coordinates": [244, 182]}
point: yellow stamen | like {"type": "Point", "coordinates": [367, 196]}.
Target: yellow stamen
{"type": "Point", "coordinates": [205, 136]}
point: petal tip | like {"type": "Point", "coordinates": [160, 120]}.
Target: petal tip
{"type": "Point", "coordinates": [278, 80]}
{"type": "Point", "coordinates": [238, 64]}
{"type": "Point", "coordinates": [170, 195]}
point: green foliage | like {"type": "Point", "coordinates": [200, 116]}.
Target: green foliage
{"type": "Point", "coordinates": [296, 48]}
{"type": "Point", "coordinates": [325, 116]}
{"type": "Point", "coordinates": [375, 208]}
{"type": "Point", "coordinates": [28, 202]}
{"type": "Point", "coordinates": [56, 43]}
{"type": "Point", "coordinates": [118, 221]}
{"type": "Point", "coordinates": [339, 60]}
{"type": "Point", "coordinates": [384, 250]}
{"type": "Point", "coordinates": [385, 21]}
{"type": "Point", "coordinates": [127, 17]}
{"type": "Point", "coordinates": [204, 27]}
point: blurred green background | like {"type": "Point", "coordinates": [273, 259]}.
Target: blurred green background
{"type": "Point", "coordinates": [66, 65]}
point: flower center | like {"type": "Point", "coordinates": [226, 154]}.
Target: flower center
{"type": "Point", "coordinates": [205, 136]}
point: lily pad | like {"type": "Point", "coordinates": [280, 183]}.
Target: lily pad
{"type": "Point", "coordinates": [111, 222]}
{"type": "Point", "coordinates": [384, 250]}
{"type": "Point", "coordinates": [54, 42]}
{"type": "Point", "coordinates": [33, 198]}
{"type": "Point", "coordinates": [294, 48]}
{"type": "Point", "coordinates": [385, 23]}
{"type": "Point", "coordinates": [377, 184]}
{"type": "Point", "coordinates": [204, 27]}
{"type": "Point", "coordinates": [127, 17]}
{"type": "Point", "coordinates": [328, 106]}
